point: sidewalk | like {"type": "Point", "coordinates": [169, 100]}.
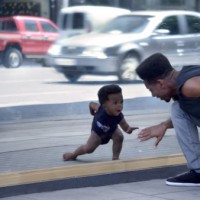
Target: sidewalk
{"type": "Point", "coordinates": [145, 190]}
{"type": "Point", "coordinates": [33, 139]}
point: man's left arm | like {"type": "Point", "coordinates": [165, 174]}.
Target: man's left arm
{"type": "Point", "coordinates": [191, 88]}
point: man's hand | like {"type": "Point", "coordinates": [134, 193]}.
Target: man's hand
{"type": "Point", "coordinates": [157, 131]}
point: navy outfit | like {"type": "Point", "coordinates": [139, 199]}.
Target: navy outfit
{"type": "Point", "coordinates": [105, 125]}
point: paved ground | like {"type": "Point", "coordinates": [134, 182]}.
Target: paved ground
{"type": "Point", "coordinates": [30, 133]}
{"type": "Point", "coordinates": [36, 137]}
{"type": "Point", "coordinates": [146, 190]}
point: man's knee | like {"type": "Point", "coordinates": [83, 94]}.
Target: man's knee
{"type": "Point", "coordinates": [177, 113]}
{"type": "Point", "coordinates": [175, 109]}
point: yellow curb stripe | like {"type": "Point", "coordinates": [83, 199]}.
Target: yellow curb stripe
{"type": "Point", "coordinates": [83, 170]}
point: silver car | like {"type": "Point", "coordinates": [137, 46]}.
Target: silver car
{"type": "Point", "coordinates": [123, 43]}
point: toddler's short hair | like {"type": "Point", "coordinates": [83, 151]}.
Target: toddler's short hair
{"type": "Point", "coordinates": [107, 90]}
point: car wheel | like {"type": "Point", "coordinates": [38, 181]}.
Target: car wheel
{"type": "Point", "coordinates": [127, 68]}
{"type": "Point", "coordinates": [12, 58]}
{"type": "Point", "coordinates": [72, 77]}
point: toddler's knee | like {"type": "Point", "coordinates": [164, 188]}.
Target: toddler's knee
{"type": "Point", "coordinates": [120, 138]}
{"type": "Point", "coordinates": [89, 150]}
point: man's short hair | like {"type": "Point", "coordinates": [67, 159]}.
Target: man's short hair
{"type": "Point", "coordinates": [154, 67]}
{"type": "Point", "coordinates": [107, 90]}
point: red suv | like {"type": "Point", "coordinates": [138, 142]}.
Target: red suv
{"type": "Point", "coordinates": [25, 37]}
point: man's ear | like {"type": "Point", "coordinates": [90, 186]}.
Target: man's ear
{"type": "Point", "coordinates": [161, 82]}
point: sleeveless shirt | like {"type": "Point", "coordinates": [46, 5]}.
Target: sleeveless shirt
{"type": "Point", "coordinates": [189, 105]}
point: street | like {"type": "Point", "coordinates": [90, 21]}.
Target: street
{"type": "Point", "coordinates": [34, 84]}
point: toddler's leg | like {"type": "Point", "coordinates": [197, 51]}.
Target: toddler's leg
{"type": "Point", "coordinates": [93, 142]}
{"type": "Point", "coordinates": [117, 138]}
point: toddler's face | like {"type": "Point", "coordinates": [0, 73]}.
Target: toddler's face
{"type": "Point", "coordinates": [114, 105]}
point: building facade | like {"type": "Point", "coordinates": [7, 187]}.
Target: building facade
{"type": "Point", "coordinates": [44, 8]}
{"type": "Point", "coordinates": [50, 8]}
{"type": "Point", "coordinates": [141, 4]}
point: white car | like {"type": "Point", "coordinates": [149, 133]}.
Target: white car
{"type": "Point", "coordinates": [76, 20]}
{"type": "Point", "coordinates": [127, 40]}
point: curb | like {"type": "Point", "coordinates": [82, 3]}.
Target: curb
{"type": "Point", "coordinates": [29, 112]}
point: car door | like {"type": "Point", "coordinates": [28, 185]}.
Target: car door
{"type": "Point", "coordinates": [49, 34]}
{"type": "Point", "coordinates": [171, 43]}
{"type": "Point", "coordinates": [32, 37]}
{"type": "Point", "coordinates": [192, 39]}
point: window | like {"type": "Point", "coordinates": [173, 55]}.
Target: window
{"type": "Point", "coordinates": [172, 2]}
{"type": "Point", "coordinates": [193, 24]}
{"type": "Point", "coordinates": [78, 21]}
{"type": "Point", "coordinates": [31, 25]}
{"type": "Point", "coordinates": [171, 24]}
{"type": "Point", "coordinates": [8, 26]}
{"type": "Point", "coordinates": [64, 20]}
{"type": "Point", "coordinates": [127, 24]}
{"type": "Point", "coordinates": [47, 27]}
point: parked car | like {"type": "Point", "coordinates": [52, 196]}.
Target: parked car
{"type": "Point", "coordinates": [25, 37]}
{"type": "Point", "coordinates": [127, 40]}
{"type": "Point", "coordinates": [77, 20]}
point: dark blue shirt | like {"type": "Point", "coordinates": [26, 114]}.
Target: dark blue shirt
{"type": "Point", "coordinates": [104, 123]}
{"type": "Point", "coordinates": [189, 105]}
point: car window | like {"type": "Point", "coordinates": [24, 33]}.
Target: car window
{"type": "Point", "coordinates": [30, 25]}
{"type": "Point", "coordinates": [193, 24]}
{"type": "Point", "coordinates": [171, 24]}
{"type": "Point", "coordinates": [78, 21]}
{"type": "Point", "coordinates": [127, 24]}
{"type": "Point", "coordinates": [47, 27]}
{"type": "Point", "coordinates": [63, 22]}
{"type": "Point", "coordinates": [8, 26]}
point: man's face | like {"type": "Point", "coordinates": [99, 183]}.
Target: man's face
{"type": "Point", "coordinates": [159, 89]}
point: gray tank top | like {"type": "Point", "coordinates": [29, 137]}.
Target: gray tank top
{"type": "Point", "coordinates": [189, 105]}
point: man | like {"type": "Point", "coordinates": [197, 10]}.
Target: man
{"type": "Point", "coordinates": [183, 87]}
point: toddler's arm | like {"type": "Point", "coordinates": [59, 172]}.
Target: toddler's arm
{"type": "Point", "coordinates": [93, 107]}
{"type": "Point", "coordinates": [126, 128]}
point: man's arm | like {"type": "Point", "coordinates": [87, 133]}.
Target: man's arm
{"type": "Point", "coordinates": [191, 88]}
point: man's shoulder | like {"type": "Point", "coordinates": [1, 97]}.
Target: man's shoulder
{"type": "Point", "coordinates": [190, 67]}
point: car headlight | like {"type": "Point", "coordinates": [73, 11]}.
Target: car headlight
{"type": "Point", "coordinates": [97, 52]}
{"type": "Point", "coordinates": [55, 49]}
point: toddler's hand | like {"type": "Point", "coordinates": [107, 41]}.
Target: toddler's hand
{"type": "Point", "coordinates": [131, 129]}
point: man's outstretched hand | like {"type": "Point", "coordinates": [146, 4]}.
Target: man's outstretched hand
{"type": "Point", "coordinates": [157, 131]}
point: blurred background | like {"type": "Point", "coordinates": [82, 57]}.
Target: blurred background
{"type": "Point", "coordinates": [50, 8]}
{"type": "Point", "coordinates": [32, 83]}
